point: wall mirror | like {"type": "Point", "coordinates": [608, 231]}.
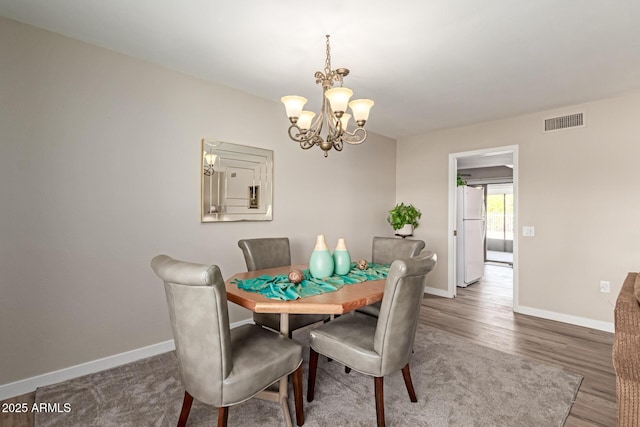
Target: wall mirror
{"type": "Point", "coordinates": [236, 182]}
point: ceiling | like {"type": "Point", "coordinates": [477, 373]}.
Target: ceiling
{"type": "Point", "coordinates": [427, 64]}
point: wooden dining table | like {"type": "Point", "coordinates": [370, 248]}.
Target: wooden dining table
{"type": "Point", "coordinates": [344, 300]}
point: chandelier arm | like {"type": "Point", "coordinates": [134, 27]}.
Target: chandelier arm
{"type": "Point", "coordinates": [333, 134]}
{"type": "Point", "coordinates": [305, 145]}
{"type": "Point", "coordinates": [318, 122]}
{"type": "Point", "coordinates": [298, 136]}
{"type": "Point", "coordinates": [305, 139]}
{"type": "Point", "coordinates": [334, 129]}
{"type": "Point", "coordinates": [356, 137]}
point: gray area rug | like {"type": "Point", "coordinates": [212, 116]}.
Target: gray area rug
{"type": "Point", "coordinates": [458, 383]}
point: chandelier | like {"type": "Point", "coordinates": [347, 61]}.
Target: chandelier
{"type": "Point", "coordinates": [306, 125]}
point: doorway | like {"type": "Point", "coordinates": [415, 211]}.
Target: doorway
{"type": "Point", "coordinates": [487, 168]}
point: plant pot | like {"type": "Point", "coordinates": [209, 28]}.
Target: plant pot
{"type": "Point", "coordinates": [407, 230]}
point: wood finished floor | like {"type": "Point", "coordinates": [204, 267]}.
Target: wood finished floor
{"type": "Point", "coordinates": [483, 313]}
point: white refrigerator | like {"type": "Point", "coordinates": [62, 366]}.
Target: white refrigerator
{"type": "Point", "coordinates": [470, 235]}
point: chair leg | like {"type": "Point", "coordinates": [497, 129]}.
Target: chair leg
{"type": "Point", "coordinates": [379, 388]}
{"type": "Point", "coordinates": [297, 394]}
{"type": "Point", "coordinates": [407, 381]}
{"type": "Point", "coordinates": [313, 367]}
{"type": "Point", "coordinates": [223, 416]}
{"type": "Point", "coordinates": [186, 407]}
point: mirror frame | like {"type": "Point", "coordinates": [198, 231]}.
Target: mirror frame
{"type": "Point", "coordinates": [245, 160]}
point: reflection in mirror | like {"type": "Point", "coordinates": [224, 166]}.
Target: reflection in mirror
{"type": "Point", "coordinates": [236, 182]}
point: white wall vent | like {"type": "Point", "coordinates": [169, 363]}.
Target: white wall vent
{"type": "Point", "coordinates": [564, 122]}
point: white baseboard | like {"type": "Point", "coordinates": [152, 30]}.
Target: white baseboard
{"type": "Point", "coordinates": [438, 292]}
{"type": "Point", "coordinates": [544, 314]}
{"type": "Point", "coordinates": [566, 318]}
{"type": "Point", "coordinates": [28, 385]}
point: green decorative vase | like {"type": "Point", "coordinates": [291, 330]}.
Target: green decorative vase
{"type": "Point", "coordinates": [342, 258]}
{"type": "Point", "coordinates": [321, 262]}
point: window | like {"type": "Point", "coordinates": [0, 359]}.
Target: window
{"type": "Point", "coordinates": [500, 211]}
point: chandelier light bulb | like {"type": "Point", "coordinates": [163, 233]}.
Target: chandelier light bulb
{"type": "Point", "coordinates": [305, 119]}
{"type": "Point", "coordinates": [339, 99]}
{"type": "Point", "coordinates": [360, 109]}
{"type": "Point", "coordinates": [293, 104]}
{"type": "Point", "coordinates": [345, 120]}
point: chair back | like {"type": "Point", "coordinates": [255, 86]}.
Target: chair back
{"type": "Point", "coordinates": [197, 302]}
{"type": "Point", "coordinates": [268, 252]}
{"type": "Point", "coordinates": [400, 310]}
{"type": "Point", "coordinates": [385, 250]}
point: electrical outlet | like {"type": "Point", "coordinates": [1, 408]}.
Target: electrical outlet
{"type": "Point", "coordinates": [605, 287]}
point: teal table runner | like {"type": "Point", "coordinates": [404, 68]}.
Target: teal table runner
{"type": "Point", "coordinates": [280, 288]}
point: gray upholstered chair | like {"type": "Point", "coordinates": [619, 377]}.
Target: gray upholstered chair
{"type": "Point", "coordinates": [377, 346]}
{"type": "Point", "coordinates": [219, 366]}
{"type": "Point", "coordinates": [270, 252]}
{"type": "Point", "coordinates": [385, 250]}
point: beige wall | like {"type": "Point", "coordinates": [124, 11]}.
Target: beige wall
{"type": "Point", "coordinates": [99, 172]}
{"type": "Point", "coordinates": [578, 187]}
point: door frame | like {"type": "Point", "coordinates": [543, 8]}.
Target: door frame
{"type": "Point", "coordinates": [453, 169]}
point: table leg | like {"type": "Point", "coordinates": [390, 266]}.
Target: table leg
{"type": "Point", "coordinates": [284, 383]}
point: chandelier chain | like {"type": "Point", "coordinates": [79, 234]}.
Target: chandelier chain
{"type": "Point", "coordinates": [327, 66]}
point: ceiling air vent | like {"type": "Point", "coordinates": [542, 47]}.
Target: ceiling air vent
{"type": "Point", "coordinates": [564, 122]}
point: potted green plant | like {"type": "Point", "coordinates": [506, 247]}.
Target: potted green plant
{"type": "Point", "coordinates": [404, 219]}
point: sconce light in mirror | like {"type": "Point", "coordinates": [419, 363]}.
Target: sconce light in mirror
{"type": "Point", "coordinates": [209, 162]}
{"type": "Point", "coordinates": [236, 182]}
